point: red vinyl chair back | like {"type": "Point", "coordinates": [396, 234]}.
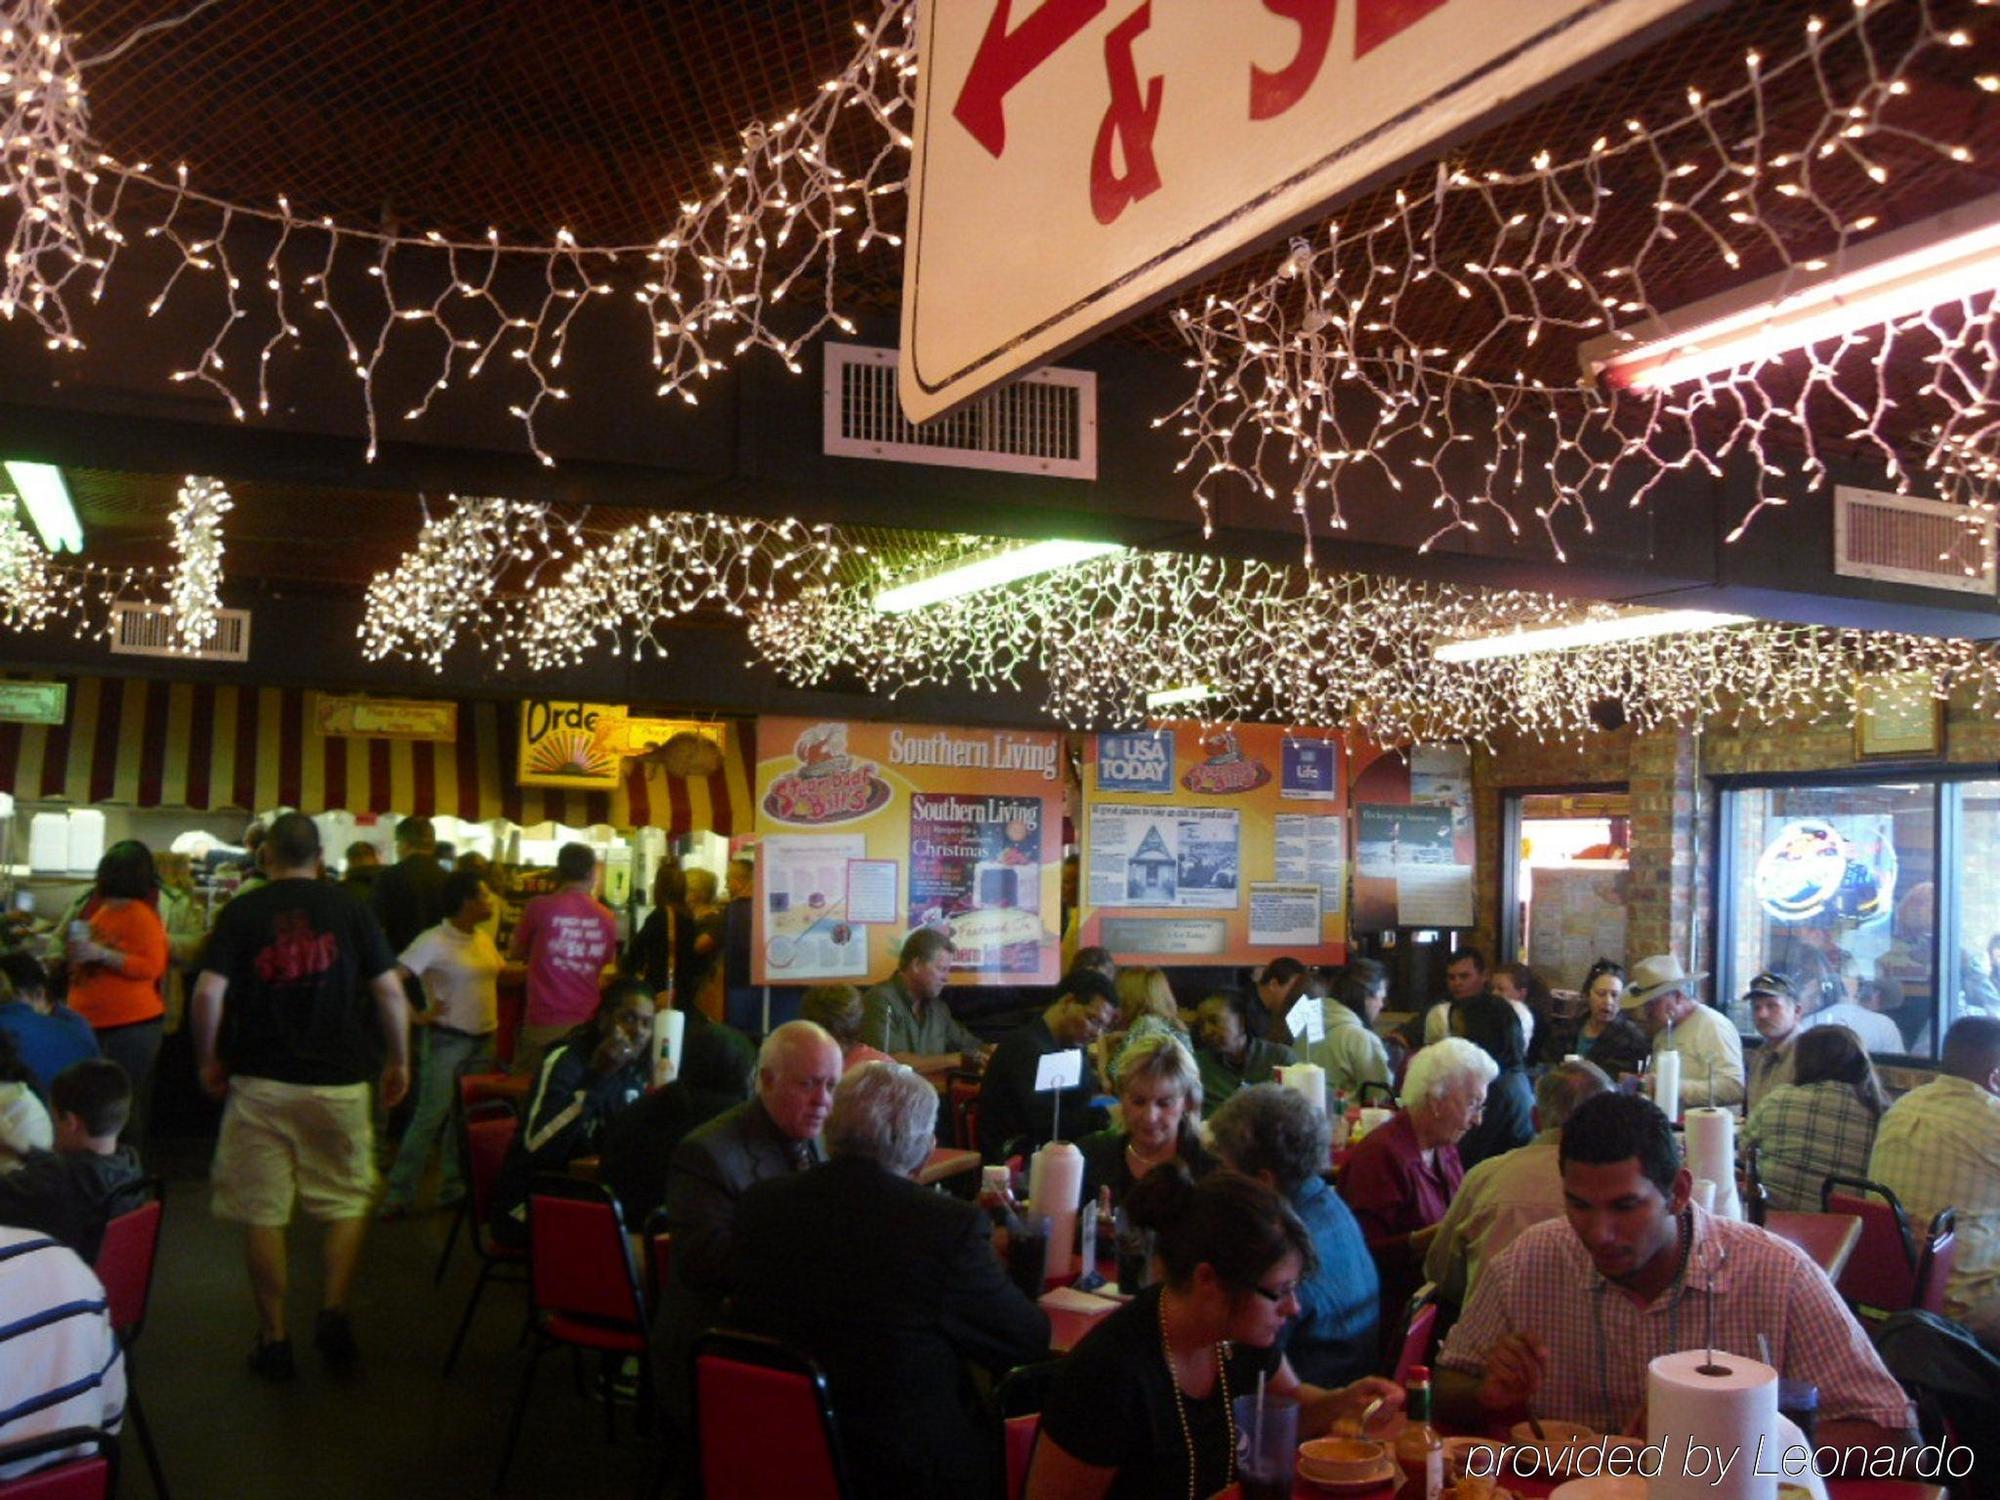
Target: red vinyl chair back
{"type": "Point", "coordinates": [1882, 1272]}
{"type": "Point", "coordinates": [580, 1266]}
{"type": "Point", "coordinates": [1940, 1260]}
{"type": "Point", "coordinates": [125, 1265]}
{"type": "Point", "coordinates": [1019, 1434]}
{"type": "Point", "coordinates": [1417, 1336]}
{"type": "Point", "coordinates": [479, 1088]}
{"type": "Point", "coordinates": [88, 1476]}
{"type": "Point", "coordinates": [490, 1128]}
{"type": "Point", "coordinates": [764, 1422]}
{"type": "Point", "coordinates": [659, 1250]}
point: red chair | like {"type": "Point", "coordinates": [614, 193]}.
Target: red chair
{"type": "Point", "coordinates": [962, 1098]}
{"type": "Point", "coordinates": [1419, 1331]}
{"type": "Point", "coordinates": [475, 1090]}
{"type": "Point", "coordinates": [1940, 1258]}
{"type": "Point", "coordinates": [764, 1422]}
{"type": "Point", "coordinates": [585, 1293]}
{"type": "Point", "coordinates": [1018, 1398]}
{"type": "Point", "coordinates": [1020, 1434]}
{"type": "Point", "coordinates": [659, 1247]}
{"type": "Point", "coordinates": [125, 1260]}
{"type": "Point", "coordinates": [91, 1475]}
{"type": "Point", "coordinates": [486, 1133]}
{"type": "Point", "coordinates": [1882, 1272]}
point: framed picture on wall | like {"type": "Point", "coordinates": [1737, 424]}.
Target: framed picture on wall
{"type": "Point", "coordinates": [1896, 715]}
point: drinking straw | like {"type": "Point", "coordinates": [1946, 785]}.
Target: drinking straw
{"type": "Point", "coordinates": [1257, 1421]}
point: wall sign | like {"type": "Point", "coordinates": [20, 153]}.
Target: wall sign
{"type": "Point", "coordinates": [33, 702]}
{"type": "Point", "coordinates": [1076, 160]}
{"type": "Point", "coordinates": [385, 718]}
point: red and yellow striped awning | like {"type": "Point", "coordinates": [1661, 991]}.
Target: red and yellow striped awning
{"type": "Point", "coordinates": [128, 742]}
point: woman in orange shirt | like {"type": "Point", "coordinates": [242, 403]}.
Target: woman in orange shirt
{"type": "Point", "coordinates": [115, 970]}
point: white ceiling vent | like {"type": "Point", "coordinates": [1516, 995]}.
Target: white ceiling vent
{"type": "Point", "coordinates": [148, 630]}
{"type": "Point", "coordinates": [1898, 539]}
{"type": "Point", "coordinates": [1044, 423]}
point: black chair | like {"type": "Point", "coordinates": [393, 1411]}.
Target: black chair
{"type": "Point", "coordinates": [91, 1474]}
{"type": "Point", "coordinates": [1018, 1400]}
{"type": "Point", "coordinates": [764, 1422]}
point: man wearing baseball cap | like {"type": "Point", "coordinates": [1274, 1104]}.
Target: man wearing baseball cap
{"type": "Point", "coordinates": [1776, 1012]}
{"type": "Point", "coordinates": [1661, 999]}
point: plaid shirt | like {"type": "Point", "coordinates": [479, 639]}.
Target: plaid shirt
{"type": "Point", "coordinates": [1600, 1339]}
{"type": "Point", "coordinates": [1939, 1147]}
{"type": "Point", "coordinates": [1805, 1133]}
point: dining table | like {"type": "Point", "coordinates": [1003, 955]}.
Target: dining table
{"type": "Point", "coordinates": [1539, 1489]}
{"type": "Point", "coordinates": [1828, 1238]}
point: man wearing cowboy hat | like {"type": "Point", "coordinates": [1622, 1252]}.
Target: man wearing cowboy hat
{"type": "Point", "coordinates": [1661, 999]}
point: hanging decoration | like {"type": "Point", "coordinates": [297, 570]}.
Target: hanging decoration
{"type": "Point", "coordinates": [1300, 647]}
{"type": "Point", "coordinates": [194, 592]}
{"type": "Point", "coordinates": [780, 217]}
{"type": "Point", "coordinates": [1328, 377]}
{"type": "Point", "coordinates": [531, 585]}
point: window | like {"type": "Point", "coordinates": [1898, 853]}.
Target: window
{"type": "Point", "coordinates": [1569, 881]}
{"type": "Point", "coordinates": [1836, 886]}
{"type": "Point", "coordinates": [1972, 961]}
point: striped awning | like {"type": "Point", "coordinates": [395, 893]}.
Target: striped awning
{"type": "Point", "coordinates": [129, 742]}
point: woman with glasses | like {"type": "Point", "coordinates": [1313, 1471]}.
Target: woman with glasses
{"type": "Point", "coordinates": [1143, 1407]}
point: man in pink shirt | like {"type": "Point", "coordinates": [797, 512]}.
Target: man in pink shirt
{"type": "Point", "coordinates": [568, 939]}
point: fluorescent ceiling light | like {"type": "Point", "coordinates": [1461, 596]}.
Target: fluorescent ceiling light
{"type": "Point", "coordinates": [1946, 259]}
{"type": "Point", "coordinates": [42, 490]}
{"type": "Point", "coordinates": [1194, 692]}
{"type": "Point", "coordinates": [991, 569]}
{"type": "Point", "coordinates": [1637, 627]}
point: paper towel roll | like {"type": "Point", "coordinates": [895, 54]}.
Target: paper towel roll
{"type": "Point", "coordinates": [1667, 1084]}
{"type": "Point", "coordinates": [1704, 1193]}
{"type": "Point", "coordinates": [1372, 1118]}
{"type": "Point", "coordinates": [1711, 1153]}
{"type": "Point", "coordinates": [1055, 1185]}
{"type": "Point", "coordinates": [1705, 1418]}
{"type": "Point", "coordinates": [669, 1027]}
{"type": "Point", "coordinates": [1308, 1079]}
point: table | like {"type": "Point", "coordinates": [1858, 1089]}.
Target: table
{"type": "Point", "coordinates": [1828, 1238]}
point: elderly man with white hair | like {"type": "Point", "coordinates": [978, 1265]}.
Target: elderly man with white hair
{"type": "Point", "coordinates": [890, 1287]}
{"type": "Point", "coordinates": [1401, 1178]}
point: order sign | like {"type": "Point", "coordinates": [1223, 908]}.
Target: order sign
{"type": "Point", "coordinates": [1077, 159]}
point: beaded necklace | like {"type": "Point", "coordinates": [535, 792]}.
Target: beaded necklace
{"type": "Point", "coordinates": [1180, 1406]}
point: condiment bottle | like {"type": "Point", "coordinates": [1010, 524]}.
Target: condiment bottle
{"type": "Point", "coordinates": [1419, 1447]}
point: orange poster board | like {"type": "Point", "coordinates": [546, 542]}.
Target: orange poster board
{"type": "Point", "coordinates": [867, 831]}
{"type": "Point", "coordinates": [1217, 846]}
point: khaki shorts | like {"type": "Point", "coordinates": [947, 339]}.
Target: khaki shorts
{"type": "Point", "coordinates": [286, 1141]}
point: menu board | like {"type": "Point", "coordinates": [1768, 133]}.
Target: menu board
{"type": "Point", "coordinates": [1218, 845]}
{"type": "Point", "coordinates": [868, 831]}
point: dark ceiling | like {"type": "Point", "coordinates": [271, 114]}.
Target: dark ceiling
{"type": "Point", "coordinates": [600, 115]}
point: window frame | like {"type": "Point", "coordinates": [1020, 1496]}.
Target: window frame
{"type": "Point", "coordinates": [1947, 814]}
{"type": "Point", "coordinates": [1507, 924]}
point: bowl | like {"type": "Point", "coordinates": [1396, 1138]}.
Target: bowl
{"type": "Point", "coordinates": [1337, 1460]}
{"type": "Point", "coordinates": [1478, 1455]}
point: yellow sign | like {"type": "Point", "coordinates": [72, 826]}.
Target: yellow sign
{"type": "Point", "coordinates": [583, 746]}
{"type": "Point", "coordinates": [33, 702]}
{"type": "Point", "coordinates": [385, 718]}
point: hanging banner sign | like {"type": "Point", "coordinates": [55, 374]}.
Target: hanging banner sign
{"type": "Point", "coordinates": [1077, 160]}
{"type": "Point", "coordinates": [385, 718]}
{"type": "Point", "coordinates": [1218, 846]}
{"type": "Point", "coordinates": [584, 745]}
{"type": "Point", "coordinates": [869, 831]}
{"type": "Point", "coordinates": [33, 702]}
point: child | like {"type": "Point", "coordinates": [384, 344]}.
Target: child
{"type": "Point", "coordinates": [70, 1193]}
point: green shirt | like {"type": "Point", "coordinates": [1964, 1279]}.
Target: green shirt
{"type": "Point", "coordinates": [890, 1023]}
{"type": "Point", "coordinates": [1261, 1061]}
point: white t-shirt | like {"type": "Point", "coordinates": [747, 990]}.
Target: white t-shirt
{"type": "Point", "coordinates": [1877, 1032]}
{"type": "Point", "coordinates": [461, 976]}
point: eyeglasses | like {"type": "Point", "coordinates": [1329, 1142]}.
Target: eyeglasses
{"type": "Point", "coordinates": [1275, 1295]}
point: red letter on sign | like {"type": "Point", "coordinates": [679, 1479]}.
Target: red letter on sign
{"type": "Point", "coordinates": [1130, 121]}
{"type": "Point", "coordinates": [1375, 21]}
{"type": "Point", "coordinates": [1271, 94]}
{"type": "Point", "coordinates": [1006, 57]}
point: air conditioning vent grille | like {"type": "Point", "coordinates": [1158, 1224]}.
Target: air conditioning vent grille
{"type": "Point", "coordinates": [148, 630]}
{"type": "Point", "coordinates": [1044, 423]}
{"type": "Point", "coordinates": [1898, 539]}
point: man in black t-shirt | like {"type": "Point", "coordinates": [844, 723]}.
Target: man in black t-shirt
{"type": "Point", "coordinates": [1011, 1113]}
{"type": "Point", "coordinates": [298, 998]}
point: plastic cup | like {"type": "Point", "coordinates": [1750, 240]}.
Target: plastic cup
{"type": "Point", "coordinates": [1267, 1446]}
{"type": "Point", "coordinates": [1027, 1256]}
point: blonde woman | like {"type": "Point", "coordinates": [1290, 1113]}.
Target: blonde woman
{"type": "Point", "coordinates": [1146, 1008]}
{"type": "Point", "coordinates": [1159, 1110]}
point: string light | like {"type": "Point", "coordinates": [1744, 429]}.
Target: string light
{"type": "Point", "coordinates": [1337, 650]}
{"type": "Point", "coordinates": [195, 590]}
{"type": "Point", "coordinates": [527, 584]}
{"type": "Point", "coordinates": [801, 195]}
{"type": "Point", "coordinates": [1326, 378]}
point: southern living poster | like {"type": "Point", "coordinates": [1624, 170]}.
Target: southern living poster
{"type": "Point", "coordinates": [970, 820]}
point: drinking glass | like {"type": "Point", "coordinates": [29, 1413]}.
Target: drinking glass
{"type": "Point", "coordinates": [1267, 1446]}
